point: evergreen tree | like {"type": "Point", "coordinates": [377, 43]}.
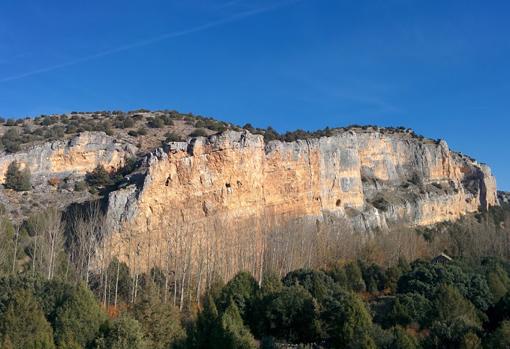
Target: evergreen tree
{"type": "Point", "coordinates": [123, 333]}
{"type": "Point", "coordinates": [160, 321]}
{"type": "Point", "coordinates": [17, 179]}
{"type": "Point", "coordinates": [316, 282]}
{"type": "Point", "coordinates": [402, 340]}
{"type": "Point", "coordinates": [499, 283]}
{"type": "Point", "coordinates": [242, 289]}
{"type": "Point", "coordinates": [347, 321]}
{"type": "Point", "coordinates": [23, 325]}
{"type": "Point", "coordinates": [354, 277]}
{"type": "Point", "coordinates": [292, 314]}
{"type": "Point", "coordinates": [450, 305]}
{"type": "Point", "coordinates": [99, 177]}
{"type": "Point", "coordinates": [205, 331]}
{"type": "Point", "coordinates": [500, 339]}
{"type": "Point", "coordinates": [78, 316]}
{"type": "Point", "coordinates": [233, 334]}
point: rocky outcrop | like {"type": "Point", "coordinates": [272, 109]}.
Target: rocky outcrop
{"type": "Point", "coordinates": [370, 178]}
{"type": "Point", "coordinates": [72, 157]}
{"type": "Point", "coordinates": [504, 197]}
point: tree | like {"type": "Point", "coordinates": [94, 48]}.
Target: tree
{"type": "Point", "coordinates": [499, 283]}
{"type": "Point", "coordinates": [233, 334]}
{"type": "Point", "coordinates": [123, 332]}
{"type": "Point", "coordinates": [501, 337]}
{"type": "Point", "coordinates": [374, 277]}
{"type": "Point", "coordinates": [450, 305]}
{"type": "Point", "coordinates": [354, 277]}
{"type": "Point", "coordinates": [402, 340]}
{"type": "Point", "coordinates": [317, 283]}
{"type": "Point", "coordinates": [499, 312]}
{"type": "Point", "coordinates": [292, 314]}
{"type": "Point", "coordinates": [160, 321]}
{"type": "Point", "coordinates": [17, 179]}
{"type": "Point", "coordinates": [242, 289]}
{"type": "Point", "coordinates": [205, 332]}
{"type": "Point", "coordinates": [99, 177]}
{"type": "Point", "coordinates": [23, 324]}
{"type": "Point", "coordinates": [53, 240]}
{"type": "Point", "coordinates": [409, 308]}
{"type": "Point", "coordinates": [77, 317]}
{"type": "Point", "coordinates": [449, 334]}
{"type": "Point", "coordinates": [347, 321]}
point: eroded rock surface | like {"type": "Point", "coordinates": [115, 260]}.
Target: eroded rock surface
{"type": "Point", "coordinates": [75, 157]}
{"type": "Point", "coordinates": [372, 179]}
{"type": "Point", "coordinates": [56, 166]}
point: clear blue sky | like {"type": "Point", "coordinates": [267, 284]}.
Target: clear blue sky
{"type": "Point", "coordinates": [440, 67]}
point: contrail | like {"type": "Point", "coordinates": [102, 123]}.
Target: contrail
{"type": "Point", "coordinates": [149, 41]}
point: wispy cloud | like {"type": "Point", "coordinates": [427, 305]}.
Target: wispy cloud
{"type": "Point", "coordinates": [233, 18]}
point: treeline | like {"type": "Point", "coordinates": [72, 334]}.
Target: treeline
{"type": "Point", "coordinates": [459, 304]}
{"type": "Point", "coordinates": [300, 288]}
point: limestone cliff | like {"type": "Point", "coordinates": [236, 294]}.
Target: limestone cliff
{"type": "Point", "coordinates": [75, 157]}
{"type": "Point", "coordinates": [62, 163]}
{"type": "Point", "coordinates": [371, 178]}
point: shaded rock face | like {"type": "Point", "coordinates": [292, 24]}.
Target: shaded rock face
{"type": "Point", "coordinates": [504, 197]}
{"type": "Point", "coordinates": [371, 179]}
{"type": "Point", "coordinates": [72, 157]}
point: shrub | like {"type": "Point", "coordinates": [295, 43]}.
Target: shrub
{"type": "Point", "coordinates": [17, 179]}
{"type": "Point", "coordinates": [172, 137]}
{"type": "Point", "coordinates": [128, 122]}
{"type": "Point", "coordinates": [142, 131]}
{"type": "Point", "coordinates": [156, 123]}
{"type": "Point", "coordinates": [11, 141]}
{"type": "Point", "coordinates": [199, 132]}
{"type": "Point", "coordinates": [54, 181]}
{"type": "Point", "coordinates": [99, 177]}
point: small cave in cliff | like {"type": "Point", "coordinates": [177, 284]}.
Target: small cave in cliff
{"type": "Point", "coordinates": [338, 203]}
{"type": "Point", "coordinates": [227, 185]}
{"type": "Point", "coordinates": [167, 182]}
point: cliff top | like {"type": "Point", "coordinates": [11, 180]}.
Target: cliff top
{"type": "Point", "coordinates": [148, 129]}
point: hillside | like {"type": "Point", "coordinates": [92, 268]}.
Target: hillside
{"type": "Point", "coordinates": [164, 230]}
{"type": "Point", "coordinates": [159, 176]}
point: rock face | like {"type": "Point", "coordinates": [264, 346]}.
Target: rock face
{"type": "Point", "coordinates": [70, 157]}
{"type": "Point", "coordinates": [370, 178]}
{"type": "Point", "coordinates": [504, 197]}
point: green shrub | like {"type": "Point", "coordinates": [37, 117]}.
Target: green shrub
{"type": "Point", "coordinates": [11, 141]}
{"type": "Point", "coordinates": [155, 123]}
{"type": "Point", "coordinates": [99, 177]}
{"type": "Point", "coordinates": [16, 179]}
{"type": "Point", "coordinates": [80, 186]}
{"type": "Point", "coordinates": [199, 132]}
{"type": "Point", "coordinates": [142, 131]}
{"type": "Point", "coordinates": [172, 137]}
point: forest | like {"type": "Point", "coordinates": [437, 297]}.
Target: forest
{"type": "Point", "coordinates": [386, 290]}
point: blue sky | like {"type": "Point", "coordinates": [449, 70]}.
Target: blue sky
{"type": "Point", "coordinates": [439, 67]}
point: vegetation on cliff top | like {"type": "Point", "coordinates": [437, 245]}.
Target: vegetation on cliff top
{"type": "Point", "coordinates": [151, 127]}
